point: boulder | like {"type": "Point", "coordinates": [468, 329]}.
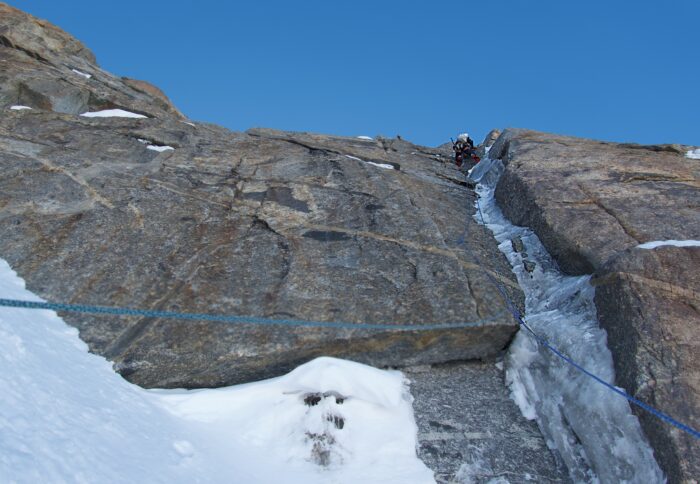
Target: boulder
{"type": "Point", "coordinates": [592, 203]}
{"type": "Point", "coordinates": [157, 213]}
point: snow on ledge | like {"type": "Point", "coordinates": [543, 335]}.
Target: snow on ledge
{"type": "Point", "coordinates": [86, 76]}
{"type": "Point", "coordinates": [366, 138]}
{"type": "Point", "coordinates": [158, 148]}
{"type": "Point", "coordinates": [19, 108]}
{"type": "Point", "coordinates": [66, 416]}
{"type": "Point", "coordinates": [151, 146]}
{"type": "Point", "coordinates": [381, 165]}
{"type": "Point", "coordinates": [693, 154]}
{"type": "Point", "coordinates": [675, 243]}
{"type": "Point", "coordinates": [112, 113]}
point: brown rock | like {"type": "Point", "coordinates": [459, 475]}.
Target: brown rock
{"type": "Point", "coordinates": [264, 223]}
{"type": "Point", "coordinates": [647, 301]}
{"type": "Point", "coordinates": [148, 88]}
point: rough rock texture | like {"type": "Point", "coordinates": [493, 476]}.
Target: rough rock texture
{"type": "Point", "coordinates": [263, 223]}
{"type": "Point", "coordinates": [38, 70]}
{"type": "Point", "coordinates": [592, 203]}
{"type": "Point", "coordinates": [469, 430]}
{"type": "Point", "coordinates": [489, 140]}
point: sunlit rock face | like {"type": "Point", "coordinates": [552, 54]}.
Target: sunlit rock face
{"type": "Point", "coordinates": [109, 196]}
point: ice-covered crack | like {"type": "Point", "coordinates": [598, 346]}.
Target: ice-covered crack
{"type": "Point", "coordinates": [592, 429]}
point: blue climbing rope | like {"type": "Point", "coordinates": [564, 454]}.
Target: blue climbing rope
{"type": "Point", "coordinates": [148, 313]}
{"type": "Point", "coordinates": [518, 317]}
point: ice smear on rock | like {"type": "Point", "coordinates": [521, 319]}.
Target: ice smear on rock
{"type": "Point", "coordinates": [66, 416]}
{"type": "Point", "coordinates": [591, 428]}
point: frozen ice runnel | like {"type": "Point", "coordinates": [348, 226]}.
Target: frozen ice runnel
{"type": "Point", "coordinates": [590, 428]}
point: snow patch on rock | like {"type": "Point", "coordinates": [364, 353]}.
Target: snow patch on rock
{"type": "Point", "coordinates": [158, 148]}
{"type": "Point", "coordinates": [112, 113]}
{"type": "Point", "coordinates": [674, 243]}
{"type": "Point", "coordinates": [693, 154]}
{"type": "Point", "coordinates": [83, 74]}
{"type": "Point", "coordinates": [19, 108]}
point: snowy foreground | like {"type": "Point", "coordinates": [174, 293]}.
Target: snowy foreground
{"type": "Point", "coordinates": [66, 416]}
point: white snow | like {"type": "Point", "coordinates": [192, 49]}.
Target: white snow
{"type": "Point", "coordinates": [675, 243]}
{"type": "Point", "coordinates": [158, 148]}
{"type": "Point", "coordinates": [65, 416]}
{"type": "Point", "coordinates": [19, 108]}
{"type": "Point", "coordinates": [366, 138]}
{"type": "Point", "coordinates": [190, 124]}
{"type": "Point", "coordinates": [86, 76]}
{"type": "Point", "coordinates": [592, 428]}
{"type": "Point", "coordinates": [380, 165]}
{"type": "Point", "coordinates": [112, 113]}
{"type": "Point", "coordinates": [693, 154]}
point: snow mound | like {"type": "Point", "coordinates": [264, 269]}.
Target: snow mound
{"type": "Point", "coordinates": [693, 154]}
{"type": "Point", "coordinates": [19, 108]}
{"type": "Point", "coordinates": [675, 243]}
{"type": "Point", "coordinates": [66, 416]}
{"type": "Point", "coordinates": [112, 113]}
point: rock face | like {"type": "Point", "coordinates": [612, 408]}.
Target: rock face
{"type": "Point", "coordinates": [262, 223]}
{"type": "Point", "coordinates": [592, 203]}
{"type": "Point", "coordinates": [469, 429]}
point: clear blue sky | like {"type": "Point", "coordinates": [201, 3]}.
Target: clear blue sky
{"type": "Point", "coordinates": [612, 70]}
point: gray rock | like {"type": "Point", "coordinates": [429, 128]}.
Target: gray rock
{"type": "Point", "coordinates": [591, 203]}
{"type": "Point", "coordinates": [469, 430]}
{"type": "Point", "coordinates": [490, 139]}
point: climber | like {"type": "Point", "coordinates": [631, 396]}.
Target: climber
{"type": "Point", "coordinates": [464, 149]}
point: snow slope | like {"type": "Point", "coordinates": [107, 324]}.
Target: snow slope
{"type": "Point", "coordinates": [66, 416]}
